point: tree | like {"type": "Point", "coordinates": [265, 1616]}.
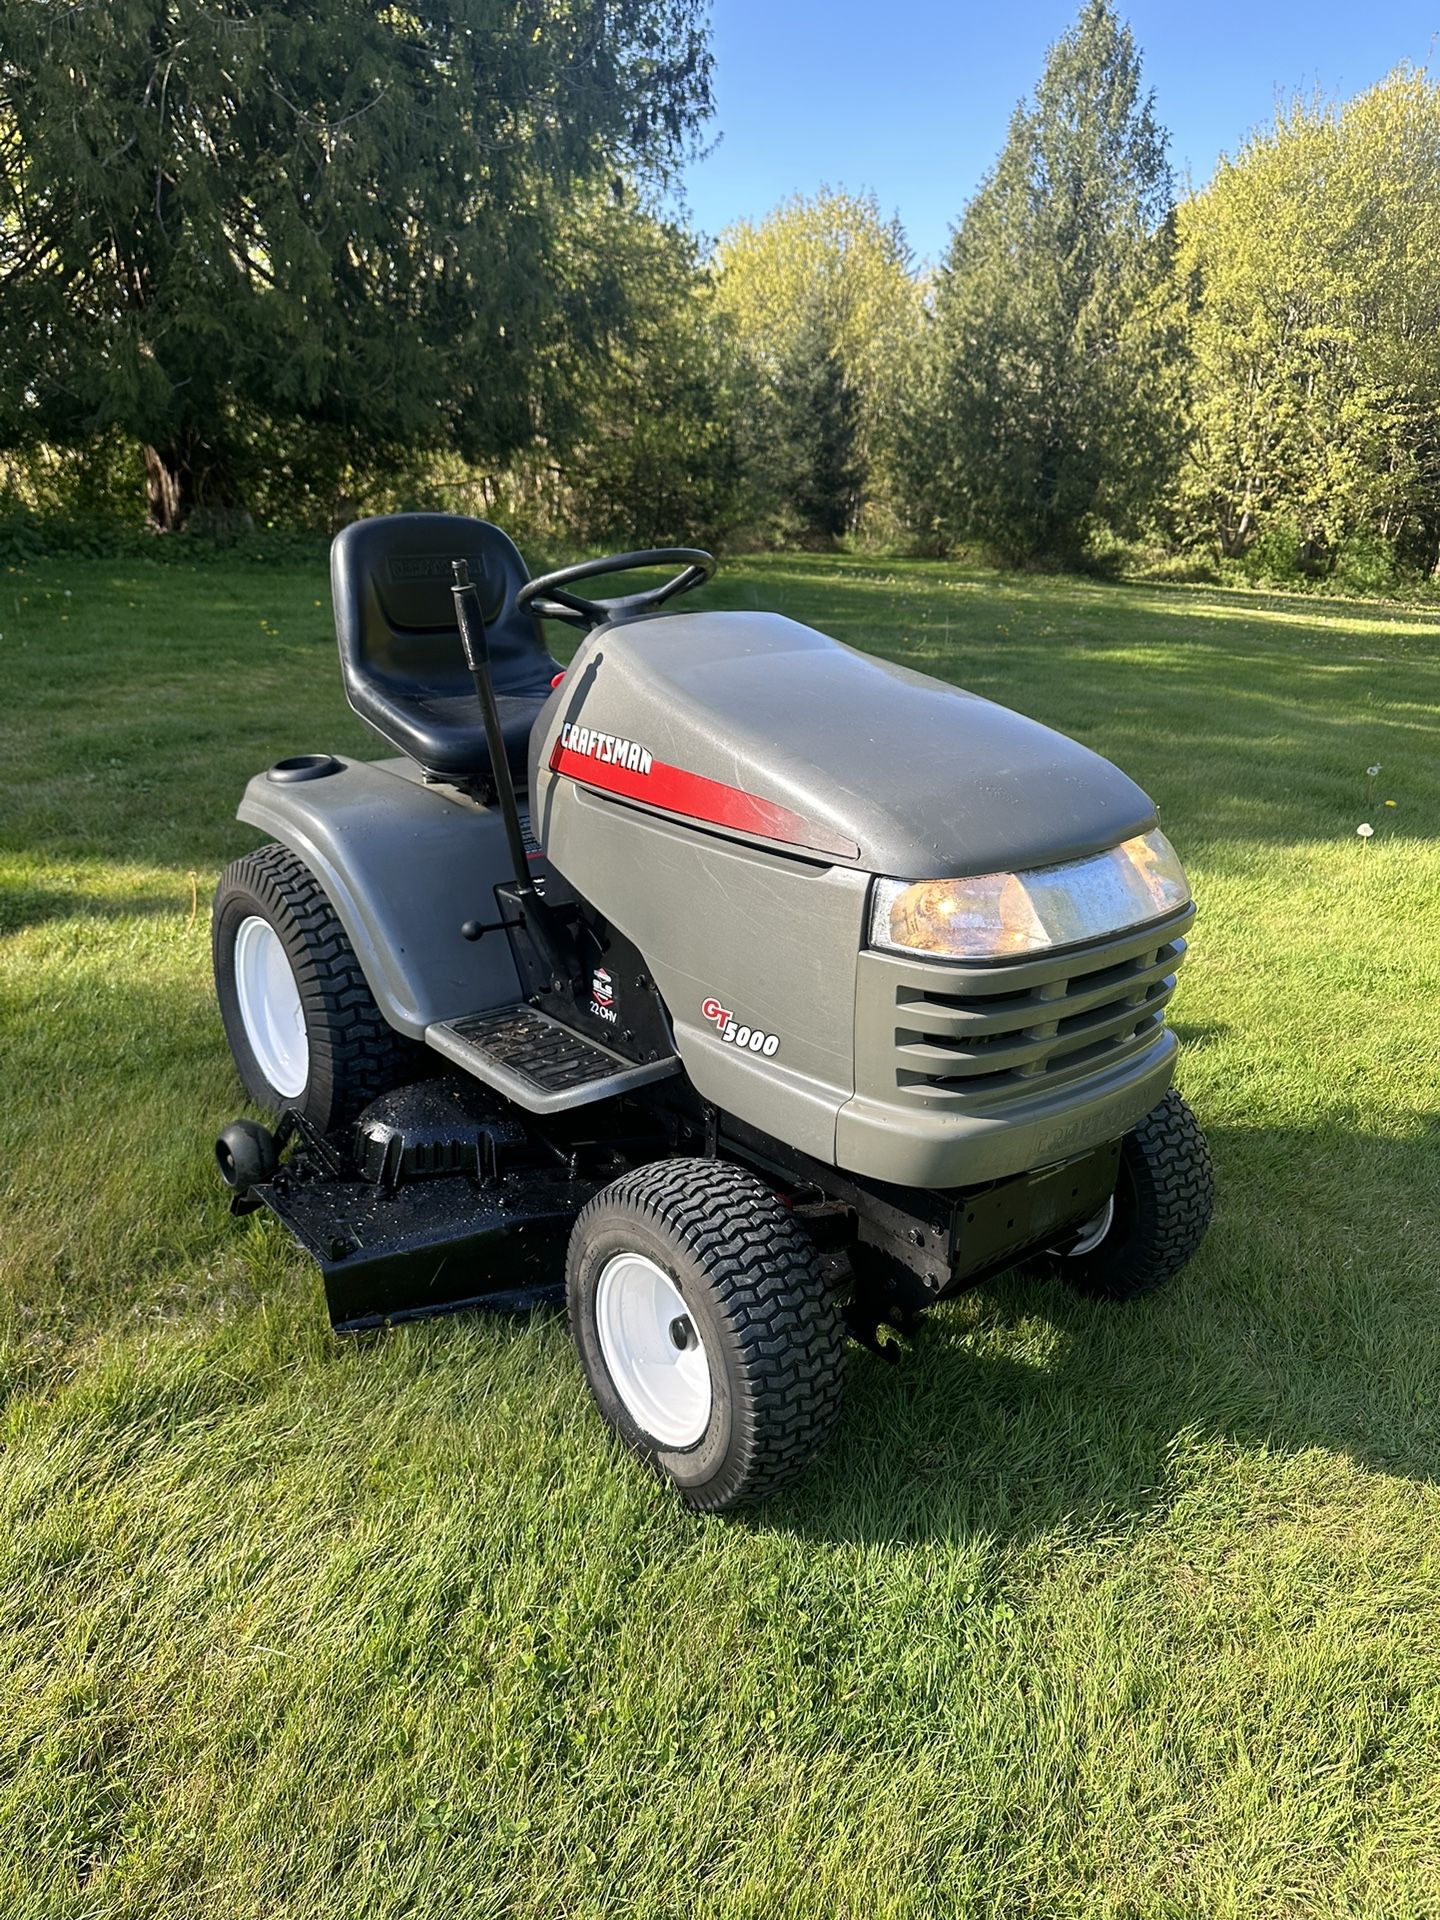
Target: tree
{"type": "Point", "coordinates": [821, 302]}
{"type": "Point", "coordinates": [650, 453]}
{"type": "Point", "coordinates": [817, 466]}
{"type": "Point", "coordinates": [339, 215]}
{"type": "Point", "coordinates": [1313, 265]}
{"type": "Point", "coordinates": [1036, 395]}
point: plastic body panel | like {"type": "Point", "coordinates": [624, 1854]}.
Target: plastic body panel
{"type": "Point", "coordinates": [403, 864]}
{"type": "Point", "coordinates": [771, 940]}
{"type": "Point", "coordinates": [917, 778]}
{"type": "Point", "coordinates": [929, 1148]}
{"type": "Point", "coordinates": [968, 1071]}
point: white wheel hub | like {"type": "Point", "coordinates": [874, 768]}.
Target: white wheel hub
{"type": "Point", "coordinates": [270, 1008]}
{"type": "Point", "coordinates": [1091, 1234]}
{"type": "Point", "coordinates": [653, 1350]}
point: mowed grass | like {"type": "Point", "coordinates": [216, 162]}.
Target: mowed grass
{"type": "Point", "coordinates": [1089, 1612]}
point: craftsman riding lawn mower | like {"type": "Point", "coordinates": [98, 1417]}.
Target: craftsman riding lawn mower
{"type": "Point", "coordinates": [769, 992]}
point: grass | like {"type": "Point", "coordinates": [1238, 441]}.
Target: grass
{"type": "Point", "coordinates": [1090, 1612]}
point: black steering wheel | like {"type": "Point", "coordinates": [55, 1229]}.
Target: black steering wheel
{"type": "Point", "coordinates": [550, 595]}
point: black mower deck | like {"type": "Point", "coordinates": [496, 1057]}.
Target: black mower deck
{"type": "Point", "coordinates": [433, 1199]}
{"type": "Point", "coordinates": [431, 1247]}
{"type": "Point", "coordinates": [537, 1061]}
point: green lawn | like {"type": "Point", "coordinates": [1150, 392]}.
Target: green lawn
{"type": "Point", "coordinates": [1090, 1611]}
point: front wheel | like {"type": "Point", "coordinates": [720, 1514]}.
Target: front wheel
{"type": "Point", "coordinates": [1157, 1216]}
{"type": "Point", "coordinates": [709, 1338]}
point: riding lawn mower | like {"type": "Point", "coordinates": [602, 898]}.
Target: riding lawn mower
{"type": "Point", "coordinates": [768, 992]}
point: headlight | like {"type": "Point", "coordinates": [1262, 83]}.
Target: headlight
{"type": "Point", "coordinates": [990, 915]}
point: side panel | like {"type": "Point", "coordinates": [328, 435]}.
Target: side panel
{"type": "Point", "coordinates": [769, 940]}
{"type": "Point", "coordinates": [403, 865]}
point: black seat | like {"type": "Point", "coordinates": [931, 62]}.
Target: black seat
{"type": "Point", "coordinates": [400, 647]}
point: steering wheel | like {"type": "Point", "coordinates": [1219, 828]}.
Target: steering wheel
{"type": "Point", "coordinates": [551, 598]}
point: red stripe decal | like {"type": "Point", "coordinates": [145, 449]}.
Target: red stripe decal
{"type": "Point", "coordinates": [675, 791]}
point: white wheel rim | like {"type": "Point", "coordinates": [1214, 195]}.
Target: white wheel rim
{"type": "Point", "coordinates": [653, 1350]}
{"type": "Point", "coordinates": [270, 1008]}
{"type": "Point", "coordinates": [1092, 1233]}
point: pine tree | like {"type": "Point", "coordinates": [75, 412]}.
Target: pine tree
{"type": "Point", "coordinates": [214, 212]}
{"type": "Point", "coordinates": [821, 472]}
{"type": "Point", "coordinates": [1039, 389]}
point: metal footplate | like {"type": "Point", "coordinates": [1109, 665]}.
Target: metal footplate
{"type": "Point", "coordinates": [538, 1062]}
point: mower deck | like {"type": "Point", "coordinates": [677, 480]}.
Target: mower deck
{"type": "Point", "coordinates": [436, 1200]}
{"type": "Point", "coordinates": [537, 1061]}
{"type": "Point", "coordinates": [433, 1200]}
{"type": "Point", "coordinates": [433, 1247]}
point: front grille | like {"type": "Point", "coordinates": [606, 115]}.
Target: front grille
{"type": "Point", "coordinates": [975, 1035]}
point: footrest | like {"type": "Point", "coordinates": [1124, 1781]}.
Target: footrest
{"type": "Point", "coordinates": [537, 1061]}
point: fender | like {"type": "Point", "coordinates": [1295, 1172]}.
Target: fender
{"type": "Point", "coordinates": [403, 864]}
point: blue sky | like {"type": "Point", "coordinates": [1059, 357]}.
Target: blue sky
{"type": "Point", "coordinates": [912, 99]}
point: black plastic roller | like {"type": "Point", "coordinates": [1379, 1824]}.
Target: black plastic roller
{"type": "Point", "coordinates": [246, 1155]}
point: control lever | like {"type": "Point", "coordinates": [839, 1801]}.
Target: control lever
{"type": "Point", "coordinates": [476, 643]}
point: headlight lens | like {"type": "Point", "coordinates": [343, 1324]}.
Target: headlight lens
{"type": "Point", "coordinates": [989, 915]}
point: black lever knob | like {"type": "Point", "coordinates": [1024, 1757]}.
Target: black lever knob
{"type": "Point", "coordinates": [471, 930]}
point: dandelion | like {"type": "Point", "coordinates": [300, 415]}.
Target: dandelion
{"type": "Point", "coordinates": [1374, 772]}
{"type": "Point", "coordinates": [1365, 831]}
{"type": "Point", "coordinates": [1389, 803]}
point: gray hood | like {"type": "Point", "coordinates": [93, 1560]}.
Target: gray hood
{"type": "Point", "coordinates": [893, 771]}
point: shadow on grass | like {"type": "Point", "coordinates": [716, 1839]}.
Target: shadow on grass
{"type": "Point", "coordinates": [1179, 597]}
{"type": "Point", "coordinates": [1198, 1033]}
{"type": "Point", "coordinates": [33, 906]}
{"type": "Point", "coordinates": [1025, 1409]}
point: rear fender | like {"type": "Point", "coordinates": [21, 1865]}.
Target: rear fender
{"type": "Point", "coordinates": [403, 864]}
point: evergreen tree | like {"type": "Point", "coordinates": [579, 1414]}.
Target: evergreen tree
{"type": "Point", "coordinates": [1038, 396]}
{"type": "Point", "coordinates": [650, 454]}
{"type": "Point", "coordinates": [213, 211]}
{"type": "Point", "coordinates": [818, 469]}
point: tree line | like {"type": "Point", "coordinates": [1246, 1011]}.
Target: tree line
{"type": "Point", "coordinates": [260, 263]}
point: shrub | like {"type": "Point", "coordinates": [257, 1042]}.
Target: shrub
{"type": "Point", "coordinates": [1366, 564]}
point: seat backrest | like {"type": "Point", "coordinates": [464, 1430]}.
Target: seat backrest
{"type": "Point", "coordinates": [394, 616]}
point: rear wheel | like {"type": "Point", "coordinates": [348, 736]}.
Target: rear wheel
{"type": "Point", "coordinates": [1151, 1226]}
{"type": "Point", "coordinates": [301, 1020]}
{"type": "Point", "coordinates": [710, 1340]}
